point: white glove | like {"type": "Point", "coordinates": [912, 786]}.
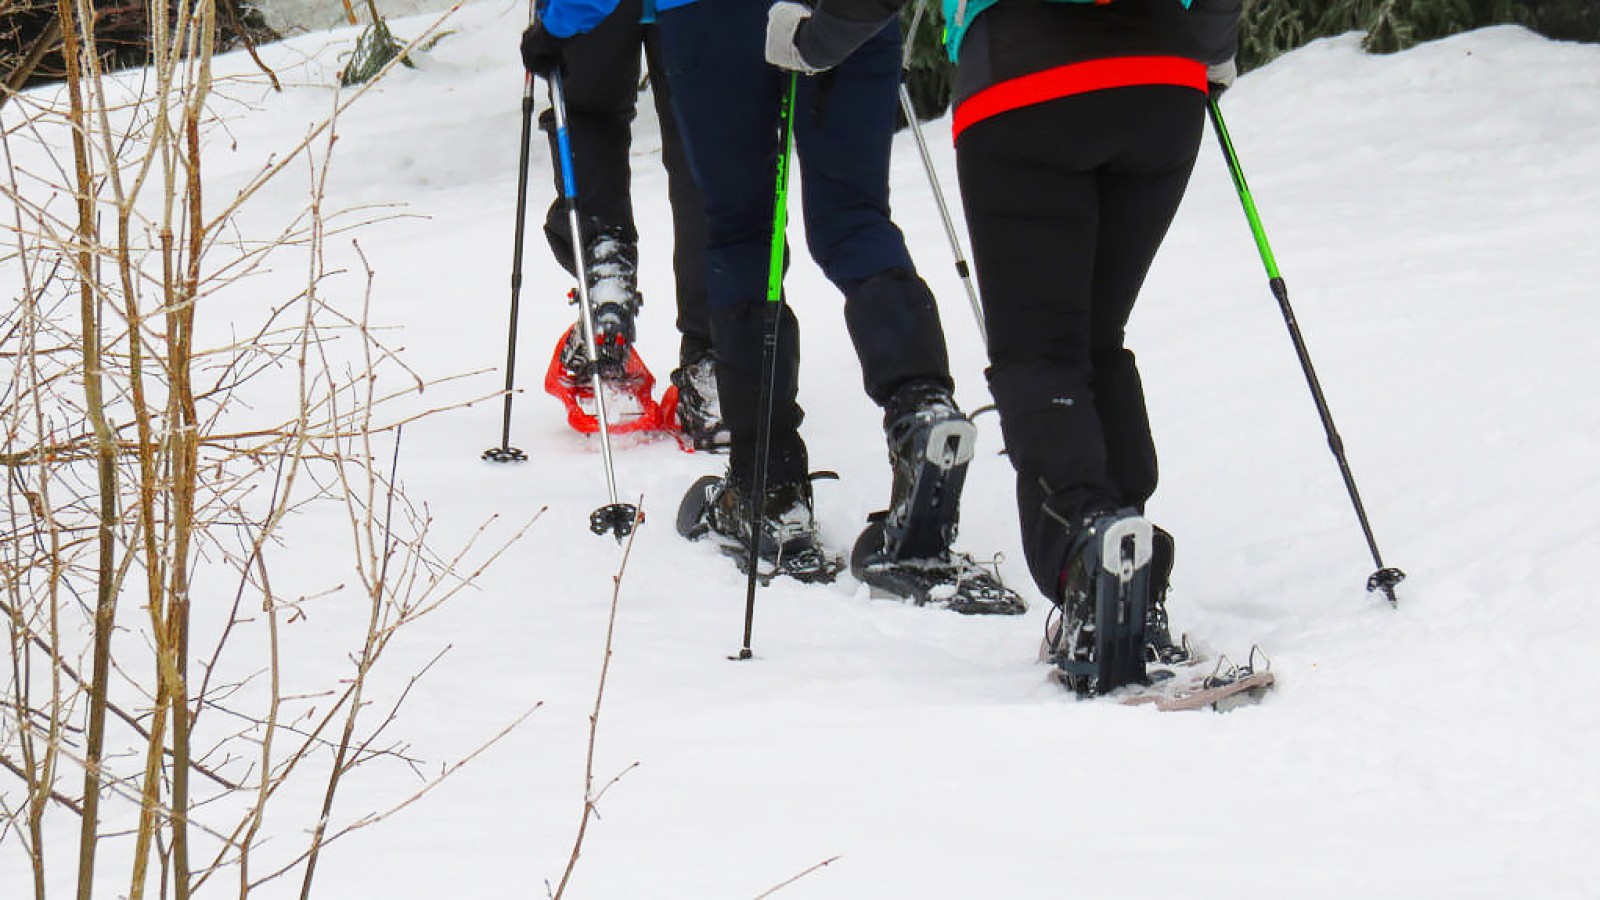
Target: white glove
{"type": "Point", "coordinates": [783, 21]}
{"type": "Point", "coordinates": [1221, 75]}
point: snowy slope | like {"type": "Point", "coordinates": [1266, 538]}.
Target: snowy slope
{"type": "Point", "coordinates": [1434, 213]}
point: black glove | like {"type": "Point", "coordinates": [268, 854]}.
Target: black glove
{"type": "Point", "coordinates": [541, 50]}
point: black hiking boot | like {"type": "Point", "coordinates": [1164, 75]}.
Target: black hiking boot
{"type": "Point", "coordinates": [788, 541]}
{"type": "Point", "coordinates": [905, 551]}
{"type": "Point", "coordinates": [1097, 640]}
{"type": "Point", "coordinates": [699, 410]}
{"type": "Point", "coordinates": [611, 266]}
{"type": "Point", "coordinates": [930, 444]}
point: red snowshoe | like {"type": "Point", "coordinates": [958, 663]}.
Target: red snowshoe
{"type": "Point", "coordinates": [623, 376]}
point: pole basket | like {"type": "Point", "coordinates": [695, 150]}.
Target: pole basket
{"type": "Point", "coordinates": [504, 455]}
{"type": "Point", "coordinates": [1386, 580]}
{"type": "Point", "coordinates": [616, 518]}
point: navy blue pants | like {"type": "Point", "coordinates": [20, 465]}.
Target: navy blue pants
{"type": "Point", "coordinates": [727, 99]}
{"type": "Point", "coordinates": [1067, 203]}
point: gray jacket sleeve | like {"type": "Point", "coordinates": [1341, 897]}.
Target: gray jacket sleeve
{"type": "Point", "coordinates": [1216, 25]}
{"type": "Point", "coordinates": [837, 27]}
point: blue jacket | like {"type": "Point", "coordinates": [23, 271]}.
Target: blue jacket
{"type": "Point", "coordinates": [565, 18]}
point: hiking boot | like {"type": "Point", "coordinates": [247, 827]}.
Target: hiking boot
{"type": "Point", "coordinates": [612, 264]}
{"type": "Point", "coordinates": [699, 411]}
{"type": "Point", "coordinates": [787, 537]}
{"type": "Point", "coordinates": [1098, 640]}
{"type": "Point", "coordinates": [611, 268]}
{"type": "Point", "coordinates": [930, 444]}
{"type": "Point", "coordinates": [614, 352]}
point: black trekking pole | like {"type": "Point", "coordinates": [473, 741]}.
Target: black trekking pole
{"type": "Point", "coordinates": [909, 111]}
{"type": "Point", "coordinates": [1385, 578]}
{"type": "Point", "coordinates": [769, 351]}
{"type": "Point", "coordinates": [615, 517]}
{"type": "Point", "coordinates": [505, 452]}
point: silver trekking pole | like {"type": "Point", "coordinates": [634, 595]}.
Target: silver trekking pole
{"type": "Point", "coordinates": [615, 517]}
{"type": "Point", "coordinates": [915, 128]}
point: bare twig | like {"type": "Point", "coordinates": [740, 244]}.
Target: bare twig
{"type": "Point", "coordinates": [783, 884]}
{"type": "Point", "coordinates": [590, 796]}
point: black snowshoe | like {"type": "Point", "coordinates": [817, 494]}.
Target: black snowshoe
{"type": "Point", "coordinates": [1096, 639]}
{"type": "Point", "coordinates": [788, 541]}
{"type": "Point", "coordinates": [951, 580]}
{"type": "Point", "coordinates": [905, 551]}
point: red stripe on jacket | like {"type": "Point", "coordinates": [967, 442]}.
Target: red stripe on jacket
{"type": "Point", "coordinates": [1078, 78]}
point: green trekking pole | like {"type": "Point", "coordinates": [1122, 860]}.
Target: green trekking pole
{"type": "Point", "coordinates": [769, 350]}
{"type": "Point", "coordinates": [1385, 578]}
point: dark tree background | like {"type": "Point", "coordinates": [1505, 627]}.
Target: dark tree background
{"type": "Point", "coordinates": [1271, 28]}
{"type": "Point", "coordinates": [30, 36]}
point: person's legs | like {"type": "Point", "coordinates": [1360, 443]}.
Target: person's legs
{"type": "Point", "coordinates": [1032, 212]}
{"type": "Point", "coordinates": [1140, 191]}
{"type": "Point", "coordinates": [600, 81]}
{"type": "Point", "coordinates": [699, 408]}
{"type": "Point", "coordinates": [726, 99]}
{"type": "Point", "coordinates": [1067, 203]}
{"type": "Point", "coordinates": [688, 213]}
{"type": "Point", "coordinates": [844, 134]}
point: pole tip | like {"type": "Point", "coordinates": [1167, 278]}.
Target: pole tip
{"type": "Point", "coordinates": [1386, 580]}
{"type": "Point", "coordinates": [504, 455]}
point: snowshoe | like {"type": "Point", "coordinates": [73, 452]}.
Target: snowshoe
{"type": "Point", "coordinates": [623, 376]}
{"type": "Point", "coordinates": [1096, 640]}
{"type": "Point", "coordinates": [1228, 686]}
{"type": "Point", "coordinates": [950, 580]}
{"type": "Point", "coordinates": [788, 542]}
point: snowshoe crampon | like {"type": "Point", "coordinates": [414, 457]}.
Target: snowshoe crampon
{"type": "Point", "coordinates": [789, 548]}
{"type": "Point", "coordinates": [953, 581]}
{"type": "Point", "coordinates": [624, 378]}
{"type": "Point", "coordinates": [1227, 686]}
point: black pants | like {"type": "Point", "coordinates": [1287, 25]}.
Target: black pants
{"type": "Point", "coordinates": [1067, 202]}
{"type": "Point", "coordinates": [600, 74]}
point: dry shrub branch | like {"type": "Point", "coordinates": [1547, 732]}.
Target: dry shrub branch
{"type": "Point", "coordinates": [168, 436]}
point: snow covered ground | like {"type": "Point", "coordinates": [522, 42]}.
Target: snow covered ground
{"type": "Point", "coordinates": [1435, 214]}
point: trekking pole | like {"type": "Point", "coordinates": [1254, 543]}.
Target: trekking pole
{"type": "Point", "coordinates": [615, 517]}
{"type": "Point", "coordinates": [912, 125]}
{"type": "Point", "coordinates": [1385, 578]}
{"type": "Point", "coordinates": [505, 452]}
{"type": "Point", "coordinates": [769, 350]}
